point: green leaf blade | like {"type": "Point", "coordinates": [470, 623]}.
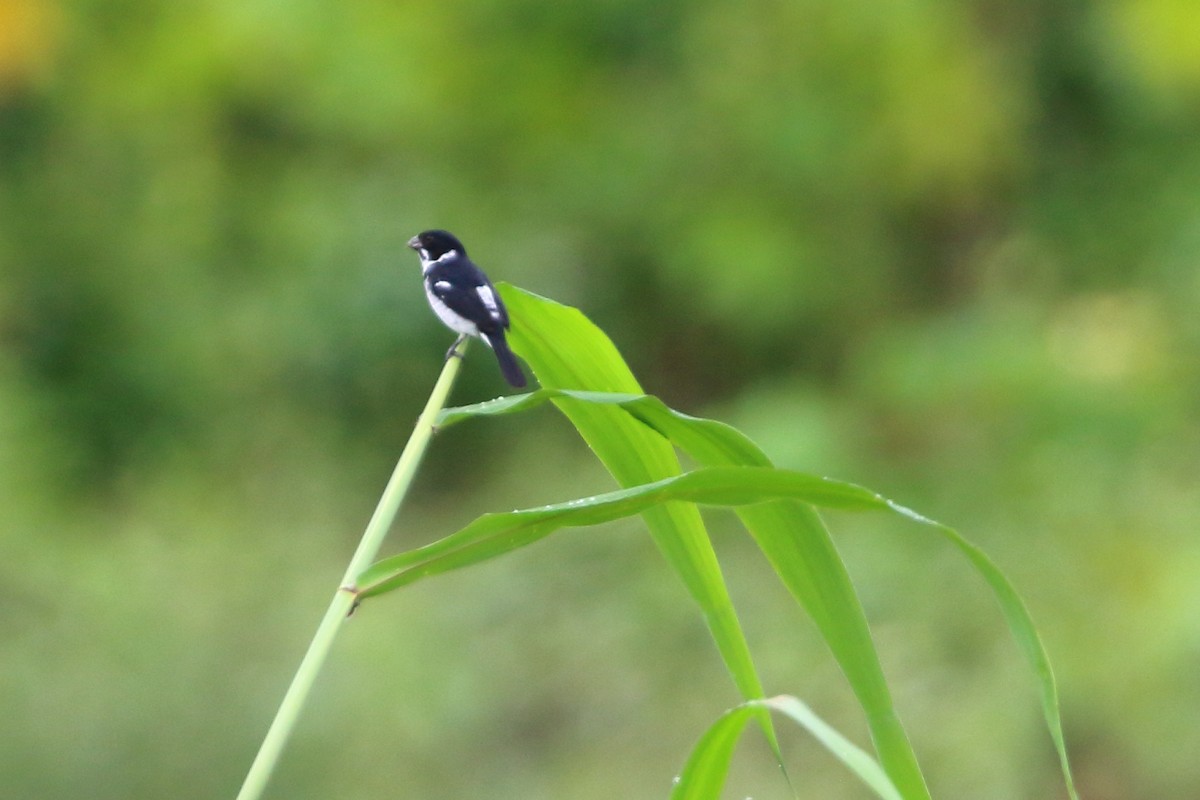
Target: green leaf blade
{"type": "Point", "coordinates": [704, 774]}
{"type": "Point", "coordinates": [560, 345]}
{"type": "Point", "coordinates": [494, 534]}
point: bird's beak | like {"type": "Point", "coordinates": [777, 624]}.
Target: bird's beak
{"type": "Point", "coordinates": [415, 243]}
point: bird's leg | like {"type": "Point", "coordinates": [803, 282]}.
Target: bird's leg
{"type": "Point", "coordinates": [453, 351]}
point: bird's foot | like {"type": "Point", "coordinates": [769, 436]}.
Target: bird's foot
{"type": "Point", "coordinates": [453, 351]}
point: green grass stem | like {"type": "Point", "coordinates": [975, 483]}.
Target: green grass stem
{"type": "Point", "coordinates": [343, 599]}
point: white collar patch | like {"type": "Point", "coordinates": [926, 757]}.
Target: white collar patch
{"type": "Point", "coordinates": [428, 263]}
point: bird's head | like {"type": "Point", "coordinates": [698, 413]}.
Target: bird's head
{"type": "Point", "coordinates": [434, 244]}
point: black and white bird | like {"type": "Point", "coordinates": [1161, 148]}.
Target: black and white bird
{"type": "Point", "coordinates": [463, 297]}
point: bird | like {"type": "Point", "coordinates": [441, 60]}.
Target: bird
{"type": "Point", "coordinates": [464, 299]}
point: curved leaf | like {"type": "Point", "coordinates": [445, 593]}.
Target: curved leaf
{"type": "Point", "coordinates": [494, 534]}
{"type": "Point", "coordinates": [708, 765]}
{"type": "Point", "coordinates": [566, 351]}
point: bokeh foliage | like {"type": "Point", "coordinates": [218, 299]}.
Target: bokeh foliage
{"type": "Point", "coordinates": [949, 251]}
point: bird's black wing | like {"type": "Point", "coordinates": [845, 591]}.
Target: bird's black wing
{"type": "Point", "coordinates": [466, 291]}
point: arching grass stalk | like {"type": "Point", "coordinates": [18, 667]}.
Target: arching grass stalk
{"type": "Point", "coordinates": [343, 599]}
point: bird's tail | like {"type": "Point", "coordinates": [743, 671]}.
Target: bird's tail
{"type": "Point", "coordinates": [508, 362]}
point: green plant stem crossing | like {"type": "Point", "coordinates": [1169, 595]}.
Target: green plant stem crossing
{"type": "Point", "coordinates": [344, 598]}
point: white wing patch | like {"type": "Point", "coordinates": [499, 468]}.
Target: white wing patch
{"type": "Point", "coordinates": [442, 286]}
{"type": "Point", "coordinates": [489, 301]}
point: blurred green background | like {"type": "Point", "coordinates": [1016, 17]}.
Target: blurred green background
{"type": "Point", "coordinates": [949, 251]}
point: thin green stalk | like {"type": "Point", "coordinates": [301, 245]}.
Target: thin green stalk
{"type": "Point", "coordinates": [343, 599]}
